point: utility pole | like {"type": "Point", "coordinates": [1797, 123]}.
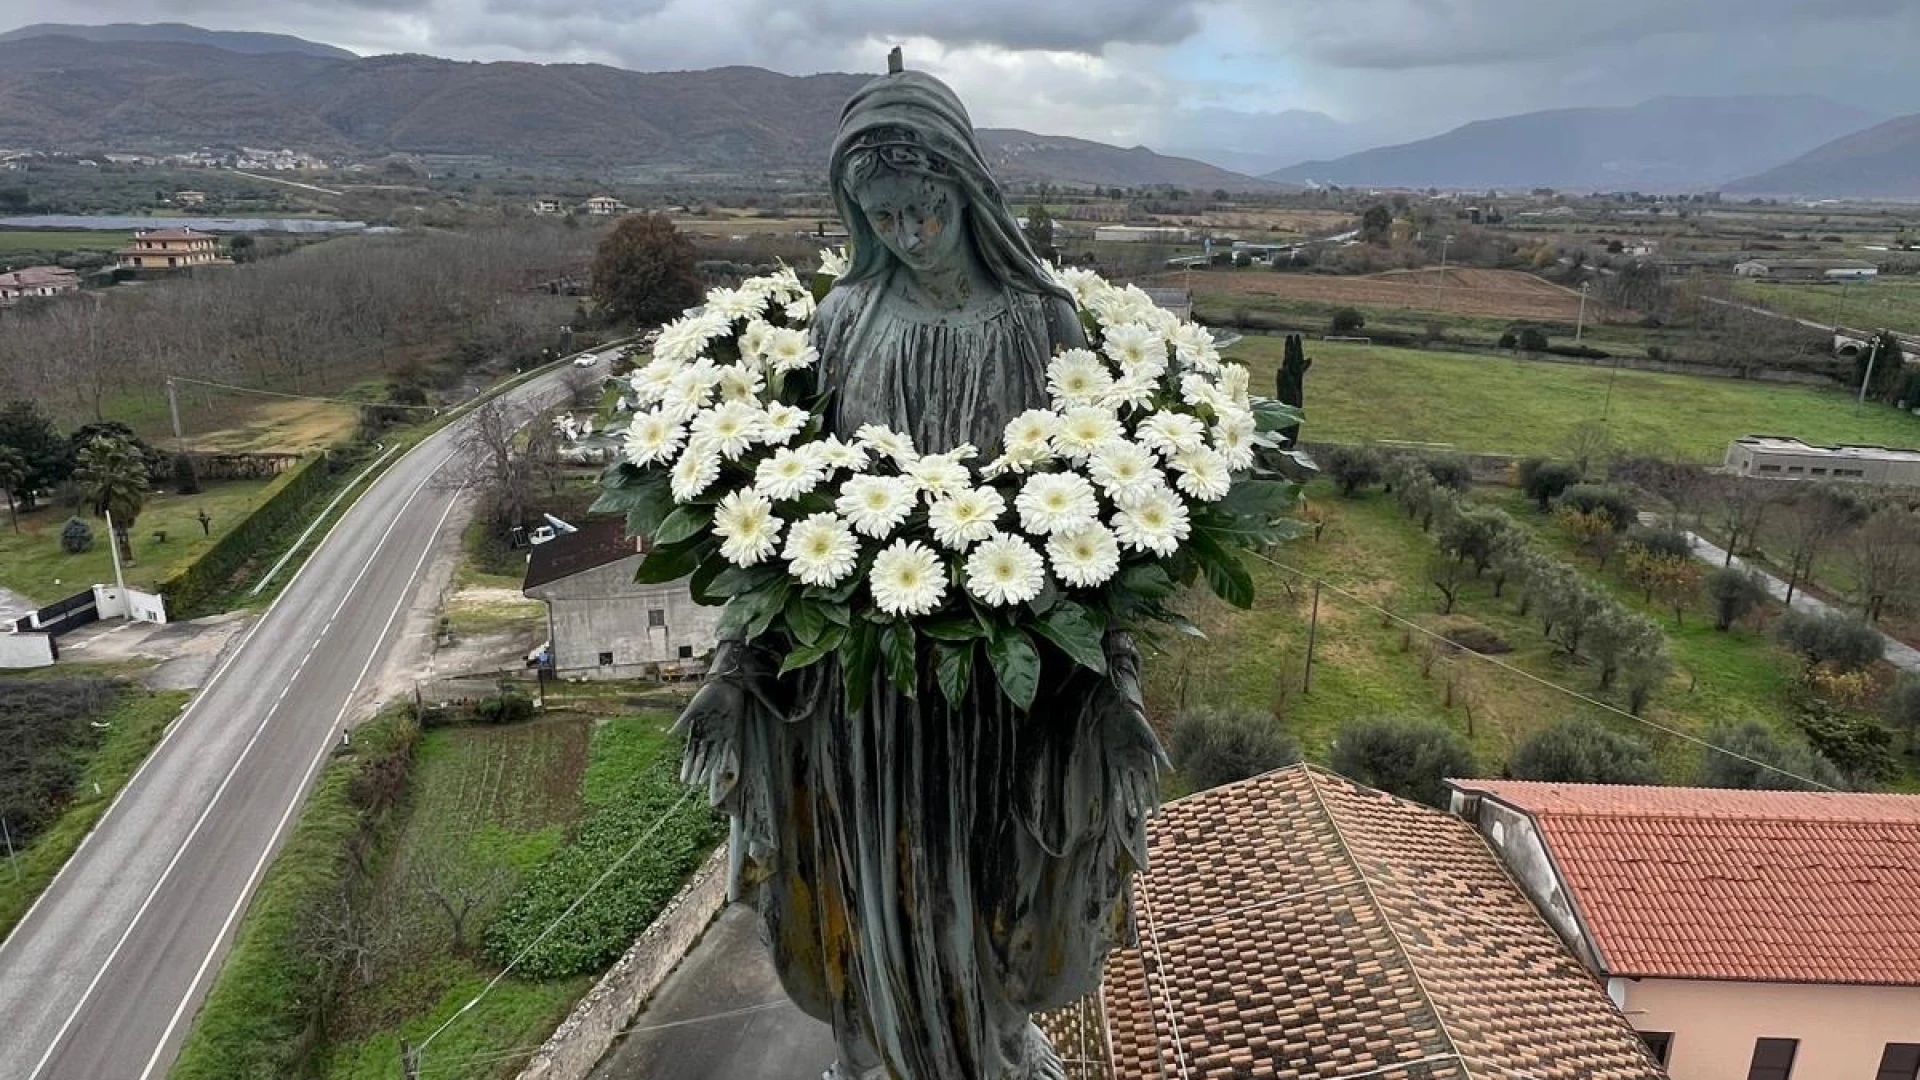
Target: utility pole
{"type": "Point", "coordinates": [409, 1061]}
{"type": "Point", "coordinates": [1867, 379]}
{"type": "Point", "coordinates": [1580, 325]}
{"type": "Point", "coordinates": [173, 406]}
{"type": "Point", "coordinates": [113, 545]}
{"type": "Point", "coordinates": [1441, 280]}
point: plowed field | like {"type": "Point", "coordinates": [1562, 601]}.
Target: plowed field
{"type": "Point", "coordinates": [1464, 291]}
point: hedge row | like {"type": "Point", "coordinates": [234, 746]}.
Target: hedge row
{"type": "Point", "coordinates": [190, 586]}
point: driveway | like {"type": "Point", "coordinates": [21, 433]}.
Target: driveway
{"type": "Point", "coordinates": [13, 605]}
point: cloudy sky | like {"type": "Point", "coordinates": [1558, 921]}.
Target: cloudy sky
{"type": "Point", "coordinates": [1173, 74]}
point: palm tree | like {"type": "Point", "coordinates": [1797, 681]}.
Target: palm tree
{"type": "Point", "coordinates": [13, 472]}
{"type": "Point", "coordinates": [113, 479]}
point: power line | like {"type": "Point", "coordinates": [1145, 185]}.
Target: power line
{"type": "Point", "coordinates": [1551, 685]}
{"type": "Point", "coordinates": [298, 397]}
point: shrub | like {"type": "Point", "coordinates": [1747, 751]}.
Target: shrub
{"type": "Point", "coordinates": [1735, 591]}
{"type": "Point", "coordinates": [1346, 321]}
{"type": "Point", "coordinates": [1476, 638]}
{"type": "Point", "coordinates": [1449, 471]}
{"type": "Point", "coordinates": [1858, 746]}
{"type": "Point", "coordinates": [1405, 757]}
{"type": "Point", "coordinates": [1577, 751]}
{"type": "Point", "coordinates": [1753, 741]}
{"type": "Point", "coordinates": [286, 499]}
{"type": "Point", "coordinates": [1216, 746]}
{"type": "Point", "coordinates": [1531, 339]}
{"type": "Point", "coordinates": [1662, 541]}
{"type": "Point", "coordinates": [186, 478]}
{"type": "Point", "coordinates": [1902, 708]}
{"type": "Point", "coordinates": [1588, 498]}
{"type": "Point", "coordinates": [76, 536]}
{"type": "Point", "coordinates": [1583, 352]}
{"type": "Point", "coordinates": [1352, 467]}
{"type": "Point", "coordinates": [506, 707]}
{"type": "Point", "coordinates": [1544, 480]}
{"type": "Point", "coordinates": [1834, 638]}
{"type": "Point", "coordinates": [44, 724]}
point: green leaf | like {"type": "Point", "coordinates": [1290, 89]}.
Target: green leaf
{"type": "Point", "coordinates": [954, 666]}
{"type": "Point", "coordinates": [1078, 633]}
{"type": "Point", "coordinates": [1263, 500]}
{"type": "Point", "coordinates": [1049, 596]}
{"type": "Point", "coordinates": [664, 564]}
{"type": "Point", "coordinates": [807, 619]}
{"type": "Point", "coordinates": [1016, 663]}
{"type": "Point", "coordinates": [701, 584]}
{"type": "Point", "coordinates": [809, 655]}
{"type": "Point", "coordinates": [645, 502]}
{"type": "Point", "coordinates": [857, 659]}
{"type": "Point", "coordinates": [735, 580]}
{"type": "Point", "coordinates": [684, 523]}
{"type": "Point", "coordinates": [767, 605]}
{"type": "Point", "coordinates": [954, 628]}
{"type": "Point", "coordinates": [1148, 582]}
{"type": "Point", "coordinates": [896, 643]}
{"type": "Point", "coordinates": [1272, 414]}
{"type": "Point", "coordinates": [838, 614]}
{"type": "Point", "coordinates": [1225, 576]}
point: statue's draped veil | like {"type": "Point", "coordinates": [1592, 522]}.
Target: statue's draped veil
{"type": "Point", "coordinates": [922, 106]}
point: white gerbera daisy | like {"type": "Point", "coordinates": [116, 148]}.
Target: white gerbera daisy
{"type": "Point", "coordinates": [907, 579]}
{"type": "Point", "coordinates": [1233, 383]}
{"type": "Point", "coordinates": [748, 531]}
{"type": "Point", "coordinates": [1124, 470]}
{"type": "Point", "coordinates": [1171, 433]}
{"type": "Point", "coordinates": [939, 475]}
{"type": "Point", "coordinates": [736, 304]}
{"type": "Point", "coordinates": [1132, 392]}
{"type": "Point", "coordinates": [753, 342]}
{"type": "Point", "coordinates": [683, 339]}
{"type": "Point", "coordinates": [1156, 523]}
{"type": "Point", "coordinates": [1200, 391]}
{"type": "Point", "coordinates": [1137, 349]}
{"type": "Point", "coordinates": [1055, 502]}
{"type": "Point", "coordinates": [1203, 474]}
{"type": "Point", "coordinates": [788, 349]}
{"type": "Point", "coordinates": [800, 308]}
{"type": "Point", "coordinates": [1085, 557]}
{"type": "Point", "coordinates": [833, 261]}
{"type": "Point", "coordinates": [965, 517]}
{"type": "Point", "coordinates": [789, 473]}
{"type": "Point", "coordinates": [1233, 438]}
{"type": "Point", "coordinates": [651, 383]}
{"type": "Point", "coordinates": [821, 550]}
{"type": "Point", "coordinates": [691, 390]}
{"type": "Point", "coordinates": [1083, 430]}
{"type": "Point", "coordinates": [1005, 570]}
{"type": "Point", "coordinates": [653, 437]}
{"type": "Point", "coordinates": [1077, 377]}
{"type": "Point", "coordinates": [1194, 346]}
{"type": "Point", "coordinates": [1084, 284]}
{"type": "Point", "coordinates": [835, 454]}
{"type": "Point", "coordinates": [695, 472]}
{"type": "Point", "coordinates": [782, 423]}
{"type": "Point", "coordinates": [784, 283]}
{"type": "Point", "coordinates": [876, 505]}
{"type": "Point", "coordinates": [741, 384]}
{"type": "Point", "coordinates": [882, 439]}
{"type": "Point", "coordinates": [730, 428]}
{"type": "Point", "coordinates": [1029, 436]}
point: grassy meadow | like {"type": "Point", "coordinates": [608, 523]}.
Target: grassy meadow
{"type": "Point", "coordinates": [1883, 302]}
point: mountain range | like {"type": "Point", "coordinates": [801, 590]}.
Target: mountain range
{"type": "Point", "coordinates": [239, 41]}
{"type": "Point", "coordinates": [1882, 162]}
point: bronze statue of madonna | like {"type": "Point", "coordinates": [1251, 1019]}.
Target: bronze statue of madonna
{"type": "Point", "coordinates": [931, 877]}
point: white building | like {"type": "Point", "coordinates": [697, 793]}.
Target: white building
{"type": "Point", "coordinates": [604, 206]}
{"type": "Point", "coordinates": [603, 625]}
{"type": "Point", "coordinates": [1142, 234]}
{"type": "Point", "coordinates": [1777, 457]}
{"type": "Point", "coordinates": [1806, 270]}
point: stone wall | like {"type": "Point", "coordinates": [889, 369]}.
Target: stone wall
{"type": "Point", "coordinates": [586, 1035]}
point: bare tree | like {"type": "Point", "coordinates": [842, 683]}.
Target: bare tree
{"type": "Point", "coordinates": [1740, 507]}
{"type": "Point", "coordinates": [1885, 558]}
{"type": "Point", "coordinates": [459, 888]}
{"type": "Point", "coordinates": [498, 464]}
{"type": "Point", "coordinates": [1815, 518]}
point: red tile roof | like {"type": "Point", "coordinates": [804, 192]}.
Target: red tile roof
{"type": "Point", "coordinates": [1299, 925]}
{"type": "Point", "coordinates": [173, 234]}
{"type": "Point", "coordinates": [1777, 886]}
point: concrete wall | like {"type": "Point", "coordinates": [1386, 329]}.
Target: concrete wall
{"type": "Point", "coordinates": [1783, 464]}
{"type": "Point", "coordinates": [146, 607]}
{"type": "Point", "coordinates": [26, 650]}
{"type": "Point", "coordinates": [1513, 837]}
{"type": "Point", "coordinates": [1843, 1030]}
{"type": "Point", "coordinates": [586, 1035]}
{"type": "Point", "coordinates": [603, 610]}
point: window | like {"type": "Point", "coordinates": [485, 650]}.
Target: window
{"type": "Point", "coordinates": [1772, 1059]}
{"type": "Point", "coordinates": [1900, 1062]}
{"type": "Point", "coordinates": [1817, 471]}
{"type": "Point", "coordinates": [1794, 470]}
{"type": "Point", "coordinates": [1659, 1044]}
{"type": "Point", "coordinates": [1769, 468]}
{"type": "Point", "coordinates": [606, 659]}
{"type": "Point", "coordinates": [656, 617]}
{"type": "Point", "coordinates": [686, 652]}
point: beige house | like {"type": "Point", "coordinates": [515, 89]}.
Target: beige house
{"type": "Point", "coordinates": [1779, 458]}
{"type": "Point", "coordinates": [1747, 935]}
{"type": "Point", "coordinates": [604, 206]}
{"type": "Point", "coordinates": [170, 249]}
{"type": "Point", "coordinates": [601, 624]}
{"type": "Point", "coordinates": [37, 281]}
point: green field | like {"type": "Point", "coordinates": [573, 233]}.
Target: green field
{"type": "Point", "coordinates": [13, 241]}
{"type": "Point", "coordinates": [1893, 303]}
{"type": "Point", "coordinates": [1498, 404]}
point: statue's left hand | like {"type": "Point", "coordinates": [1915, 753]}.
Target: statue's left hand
{"type": "Point", "coordinates": [711, 724]}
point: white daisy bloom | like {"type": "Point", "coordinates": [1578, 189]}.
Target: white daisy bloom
{"type": "Point", "coordinates": [833, 262]}
{"type": "Point", "coordinates": [1132, 391]}
{"type": "Point", "coordinates": [1125, 470]}
{"type": "Point", "coordinates": [907, 579]}
{"type": "Point", "coordinates": [1135, 347]}
{"type": "Point", "coordinates": [876, 505]}
{"type": "Point", "coordinates": [800, 309]}
{"type": "Point", "coordinates": [1029, 436]}
{"type": "Point", "coordinates": [882, 439]}
{"type": "Point", "coordinates": [651, 382]}
{"type": "Point", "coordinates": [1077, 377]}
{"type": "Point", "coordinates": [821, 550]}
{"type": "Point", "coordinates": [1233, 383]}
{"type": "Point", "coordinates": [1202, 474]}
{"type": "Point", "coordinates": [1083, 430]}
{"type": "Point", "coordinates": [1200, 391]}
{"type": "Point", "coordinates": [965, 517]}
{"type": "Point", "coordinates": [695, 472]}
{"type": "Point", "coordinates": [653, 437]}
{"type": "Point", "coordinates": [1171, 433]}
{"type": "Point", "coordinates": [1085, 557]}
{"type": "Point", "coordinates": [1056, 502]}
{"type": "Point", "coordinates": [789, 473]}
{"type": "Point", "coordinates": [784, 283]}
{"type": "Point", "coordinates": [691, 390]}
{"type": "Point", "coordinates": [1005, 570]}
{"type": "Point", "coordinates": [753, 341]}
{"type": "Point", "coordinates": [730, 428]}
{"type": "Point", "coordinates": [1233, 438]}
{"type": "Point", "coordinates": [683, 339]}
{"type": "Point", "coordinates": [839, 455]}
{"type": "Point", "coordinates": [749, 533]}
{"type": "Point", "coordinates": [782, 423]}
{"type": "Point", "coordinates": [788, 349]}
{"type": "Point", "coordinates": [736, 304]}
{"type": "Point", "coordinates": [1156, 523]}
{"type": "Point", "coordinates": [1194, 346]}
{"type": "Point", "coordinates": [1084, 284]}
{"type": "Point", "coordinates": [741, 384]}
{"type": "Point", "coordinates": [939, 475]}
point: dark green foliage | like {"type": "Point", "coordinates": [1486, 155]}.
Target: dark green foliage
{"type": "Point", "coordinates": [1449, 471]}
{"type": "Point", "coordinates": [1405, 757]}
{"type": "Point", "coordinates": [1215, 746]}
{"type": "Point", "coordinates": [1352, 467]}
{"type": "Point", "coordinates": [1902, 709]}
{"type": "Point", "coordinates": [1544, 480]}
{"type": "Point", "coordinates": [506, 707]}
{"type": "Point", "coordinates": [1789, 757]}
{"type": "Point", "coordinates": [186, 478]}
{"type": "Point", "coordinates": [1581, 751]}
{"type": "Point", "coordinates": [47, 455]}
{"type": "Point", "coordinates": [1858, 746]}
{"type": "Point", "coordinates": [44, 725]}
{"type": "Point", "coordinates": [1531, 339]}
{"type": "Point", "coordinates": [154, 461]}
{"type": "Point", "coordinates": [644, 271]}
{"type": "Point", "coordinates": [1475, 535]}
{"type": "Point", "coordinates": [1666, 542]}
{"type": "Point", "coordinates": [1039, 231]}
{"type": "Point", "coordinates": [1376, 224]}
{"type": "Point", "coordinates": [1588, 498]}
{"type": "Point", "coordinates": [1346, 321]}
{"type": "Point", "coordinates": [76, 536]}
{"type": "Point", "coordinates": [1834, 638]}
{"type": "Point", "coordinates": [1735, 592]}
{"type": "Point", "coordinates": [193, 586]}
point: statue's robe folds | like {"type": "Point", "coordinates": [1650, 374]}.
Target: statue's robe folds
{"type": "Point", "coordinates": [931, 876]}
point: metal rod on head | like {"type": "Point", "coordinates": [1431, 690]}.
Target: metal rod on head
{"type": "Point", "coordinates": [895, 63]}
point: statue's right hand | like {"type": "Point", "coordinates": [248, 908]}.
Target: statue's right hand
{"type": "Point", "coordinates": [711, 725]}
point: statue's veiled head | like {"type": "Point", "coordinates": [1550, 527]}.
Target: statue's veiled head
{"type": "Point", "coordinates": [912, 187]}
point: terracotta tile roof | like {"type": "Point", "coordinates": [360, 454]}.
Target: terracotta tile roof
{"type": "Point", "coordinates": [1299, 925]}
{"type": "Point", "coordinates": [1778, 886]}
{"type": "Point", "coordinates": [173, 234]}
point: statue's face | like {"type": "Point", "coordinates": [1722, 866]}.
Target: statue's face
{"type": "Point", "coordinates": [917, 217]}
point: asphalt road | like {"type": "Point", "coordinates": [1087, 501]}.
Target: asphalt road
{"type": "Point", "coordinates": [102, 978]}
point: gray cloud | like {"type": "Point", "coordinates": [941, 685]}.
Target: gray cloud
{"type": "Point", "coordinates": [1012, 24]}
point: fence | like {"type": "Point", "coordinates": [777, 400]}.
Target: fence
{"type": "Point", "coordinates": [241, 466]}
{"type": "Point", "coordinates": [61, 616]}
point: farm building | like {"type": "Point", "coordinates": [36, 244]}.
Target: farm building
{"type": "Point", "coordinates": [1790, 459]}
{"type": "Point", "coordinates": [1806, 269]}
{"type": "Point", "coordinates": [601, 624]}
{"type": "Point", "coordinates": [1142, 234]}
